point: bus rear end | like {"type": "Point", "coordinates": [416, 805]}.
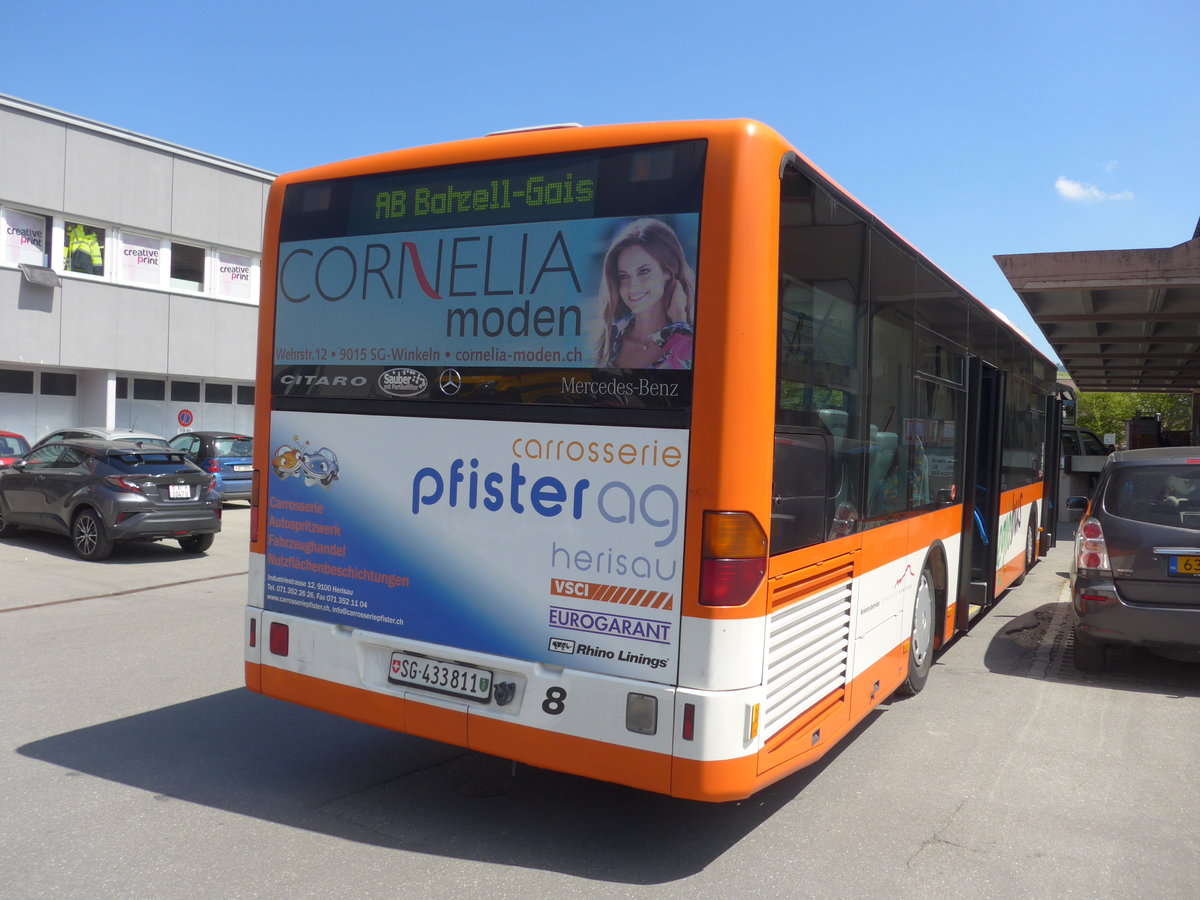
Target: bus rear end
{"type": "Point", "coordinates": [477, 518]}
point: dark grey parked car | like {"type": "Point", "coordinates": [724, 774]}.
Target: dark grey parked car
{"type": "Point", "coordinates": [102, 492]}
{"type": "Point", "coordinates": [1136, 573]}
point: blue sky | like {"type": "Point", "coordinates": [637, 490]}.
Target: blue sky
{"type": "Point", "coordinates": [972, 128]}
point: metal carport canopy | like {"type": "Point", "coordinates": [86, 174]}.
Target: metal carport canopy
{"type": "Point", "coordinates": [1120, 320]}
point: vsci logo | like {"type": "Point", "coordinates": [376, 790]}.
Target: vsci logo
{"type": "Point", "coordinates": [403, 382]}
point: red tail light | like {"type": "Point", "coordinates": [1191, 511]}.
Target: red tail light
{"type": "Point", "coordinates": [1091, 551]}
{"type": "Point", "coordinates": [124, 483]}
{"type": "Point", "coordinates": [279, 639]}
{"type": "Point", "coordinates": [214, 465]}
{"type": "Point", "coordinates": [733, 558]}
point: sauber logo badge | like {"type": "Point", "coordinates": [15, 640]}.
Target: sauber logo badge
{"type": "Point", "coordinates": [403, 382]}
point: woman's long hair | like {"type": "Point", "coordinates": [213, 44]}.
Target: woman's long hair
{"type": "Point", "coordinates": [659, 240]}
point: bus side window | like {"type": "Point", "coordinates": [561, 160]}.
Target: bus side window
{"type": "Point", "coordinates": [884, 491]}
{"type": "Point", "coordinates": [802, 490]}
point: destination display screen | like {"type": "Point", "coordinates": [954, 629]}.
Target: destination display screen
{"type": "Point", "coordinates": [568, 279]}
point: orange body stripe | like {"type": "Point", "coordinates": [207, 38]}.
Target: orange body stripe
{"type": "Point", "coordinates": [712, 780]}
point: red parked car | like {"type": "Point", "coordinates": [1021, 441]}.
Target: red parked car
{"type": "Point", "coordinates": [12, 447]}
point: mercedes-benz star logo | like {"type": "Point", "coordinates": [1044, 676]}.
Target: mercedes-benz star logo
{"type": "Point", "coordinates": [450, 382]}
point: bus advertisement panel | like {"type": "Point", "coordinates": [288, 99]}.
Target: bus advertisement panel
{"type": "Point", "coordinates": [530, 541]}
{"type": "Point", "coordinates": [506, 283]}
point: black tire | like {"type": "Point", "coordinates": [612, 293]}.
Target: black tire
{"type": "Point", "coordinates": [920, 648]}
{"type": "Point", "coordinates": [1091, 655]}
{"type": "Point", "coordinates": [1030, 549]}
{"type": "Point", "coordinates": [197, 543]}
{"type": "Point", "coordinates": [89, 536]}
{"type": "Point", "coordinates": [6, 527]}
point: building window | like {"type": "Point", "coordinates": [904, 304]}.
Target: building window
{"type": "Point", "coordinates": [58, 384]}
{"type": "Point", "coordinates": [26, 238]}
{"type": "Point", "coordinates": [149, 389]}
{"type": "Point", "coordinates": [185, 391]}
{"type": "Point", "coordinates": [122, 388]}
{"type": "Point", "coordinates": [245, 394]}
{"type": "Point", "coordinates": [16, 381]}
{"type": "Point", "coordinates": [233, 276]}
{"type": "Point", "coordinates": [140, 260]}
{"type": "Point", "coordinates": [218, 393]}
{"type": "Point", "coordinates": [83, 248]}
{"type": "Point", "coordinates": [187, 267]}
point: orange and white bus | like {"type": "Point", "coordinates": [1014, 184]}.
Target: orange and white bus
{"type": "Point", "coordinates": [640, 452]}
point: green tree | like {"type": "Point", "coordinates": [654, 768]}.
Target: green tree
{"type": "Point", "coordinates": [1105, 413]}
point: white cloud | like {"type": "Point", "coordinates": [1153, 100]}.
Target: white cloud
{"type": "Point", "coordinates": [1110, 166]}
{"type": "Point", "coordinates": [1078, 192]}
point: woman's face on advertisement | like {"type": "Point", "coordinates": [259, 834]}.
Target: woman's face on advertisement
{"type": "Point", "coordinates": [640, 278]}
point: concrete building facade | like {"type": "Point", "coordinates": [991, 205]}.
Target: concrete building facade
{"type": "Point", "coordinates": [129, 275]}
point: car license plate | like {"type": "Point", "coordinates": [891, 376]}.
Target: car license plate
{"type": "Point", "coordinates": [179, 492]}
{"type": "Point", "coordinates": [243, 468]}
{"type": "Point", "coordinates": [1183, 565]}
{"type": "Point", "coordinates": [441, 676]}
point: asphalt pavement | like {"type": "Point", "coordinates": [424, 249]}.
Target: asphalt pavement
{"type": "Point", "coordinates": [133, 763]}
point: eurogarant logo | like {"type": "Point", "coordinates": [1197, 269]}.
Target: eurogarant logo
{"type": "Point", "coordinates": [631, 627]}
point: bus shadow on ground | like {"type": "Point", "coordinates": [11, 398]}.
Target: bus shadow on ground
{"type": "Point", "coordinates": [253, 756]}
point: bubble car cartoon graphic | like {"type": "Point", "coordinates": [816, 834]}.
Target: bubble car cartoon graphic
{"type": "Point", "coordinates": [296, 460]}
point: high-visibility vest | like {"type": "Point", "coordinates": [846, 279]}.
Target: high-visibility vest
{"type": "Point", "coordinates": [77, 240]}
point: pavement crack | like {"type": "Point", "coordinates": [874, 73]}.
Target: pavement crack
{"type": "Point", "coordinates": [937, 839]}
{"type": "Point", "coordinates": [126, 592]}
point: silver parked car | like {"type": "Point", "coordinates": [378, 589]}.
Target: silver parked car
{"type": "Point", "coordinates": [76, 432]}
{"type": "Point", "coordinates": [1135, 579]}
{"type": "Point", "coordinates": [100, 493]}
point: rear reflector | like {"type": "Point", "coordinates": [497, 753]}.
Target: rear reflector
{"type": "Point", "coordinates": [254, 632]}
{"type": "Point", "coordinates": [279, 639]}
{"type": "Point", "coordinates": [689, 721]}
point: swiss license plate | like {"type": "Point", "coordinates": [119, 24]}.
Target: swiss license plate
{"type": "Point", "coordinates": [179, 492]}
{"type": "Point", "coordinates": [243, 468]}
{"type": "Point", "coordinates": [441, 676]}
{"type": "Point", "coordinates": [1183, 565]}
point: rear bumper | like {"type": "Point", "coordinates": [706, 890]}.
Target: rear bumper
{"type": "Point", "coordinates": [150, 526]}
{"type": "Point", "coordinates": [1101, 612]}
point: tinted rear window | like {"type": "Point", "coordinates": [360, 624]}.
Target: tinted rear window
{"type": "Point", "coordinates": [149, 462]}
{"type": "Point", "coordinates": [1160, 495]}
{"type": "Point", "coordinates": [233, 446]}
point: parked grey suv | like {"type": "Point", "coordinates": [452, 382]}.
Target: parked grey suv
{"type": "Point", "coordinates": [1135, 578]}
{"type": "Point", "coordinates": [102, 492]}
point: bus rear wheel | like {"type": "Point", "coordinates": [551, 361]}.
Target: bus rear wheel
{"type": "Point", "coordinates": [920, 645]}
